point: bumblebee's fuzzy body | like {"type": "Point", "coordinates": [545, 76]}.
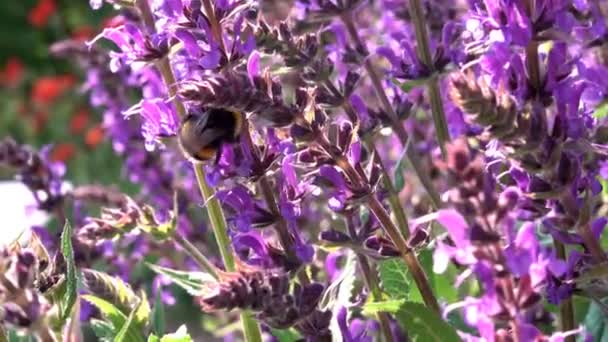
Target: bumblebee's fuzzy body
{"type": "Point", "coordinates": [202, 134]}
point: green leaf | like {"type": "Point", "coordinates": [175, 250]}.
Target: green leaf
{"type": "Point", "coordinates": [126, 327]}
{"type": "Point", "coordinates": [153, 338]}
{"type": "Point", "coordinates": [111, 289]}
{"type": "Point", "coordinates": [286, 335]}
{"type": "Point", "coordinates": [601, 111]}
{"type": "Point", "coordinates": [193, 282]}
{"type": "Point", "coordinates": [158, 315]}
{"type": "Point", "coordinates": [14, 336]}
{"type": "Point", "coordinates": [390, 306]}
{"type": "Point", "coordinates": [426, 261]}
{"type": "Point", "coordinates": [394, 278]}
{"type": "Point", "coordinates": [596, 323]}
{"type": "Point", "coordinates": [421, 323]}
{"type": "Point", "coordinates": [70, 295]}
{"type": "Point", "coordinates": [142, 312]}
{"type": "Point", "coordinates": [102, 329]}
{"type": "Point", "coordinates": [181, 335]}
{"type": "Point", "coordinates": [115, 316]}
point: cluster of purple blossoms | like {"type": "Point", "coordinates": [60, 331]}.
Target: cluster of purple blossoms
{"type": "Point", "coordinates": [478, 119]}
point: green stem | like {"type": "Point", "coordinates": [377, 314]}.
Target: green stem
{"type": "Point", "coordinates": [3, 336]}
{"type": "Point", "coordinates": [371, 281]}
{"type": "Point", "coordinates": [373, 284]}
{"type": "Point", "coordinates": [566, 309]}
{"type": "Point", "coordinates": [218, 221]}
{"type": "Point", "coordinates": [393, 196]}
{"type": "Point", "coordinates": [413, 265]}
{"type": "Point", "coordinates": [425, 55]}
{"type": "Point", "coordinates": [251, 329]}
{"type": "Point", "coordinates": [410, 258]}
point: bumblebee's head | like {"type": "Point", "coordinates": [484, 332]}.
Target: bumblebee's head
{"type": "Point", "coordinates": [202, 133]}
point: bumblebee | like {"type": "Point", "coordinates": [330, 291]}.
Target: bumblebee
{"type": "Point", "coordinates": [202, 134]}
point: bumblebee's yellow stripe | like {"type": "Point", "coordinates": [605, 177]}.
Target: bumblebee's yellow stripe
{"type": "Point", "coordinates": [206, 153]}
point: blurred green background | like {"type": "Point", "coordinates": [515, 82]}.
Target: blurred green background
{"type": "Point", "coordinates": [42, 101]}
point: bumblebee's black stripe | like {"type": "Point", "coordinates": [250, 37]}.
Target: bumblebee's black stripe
{"type": "Point", "coordinates": [219, 125]}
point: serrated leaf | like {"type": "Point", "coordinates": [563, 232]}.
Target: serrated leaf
{"type": "Point", "coordinates": [181, 335]}
{"type": "Point", "coordinates": [426, 261]}
{"type": "Point", "coordinates": [193, 282]}
{"type": "Point", "coordinates": [103, 330]}
{"type": "Point", "coordinates": [158, 315]}
{"type": "Point", "coordinates": [115, 316]}
{"type": "Point", "coordinates": [110, 288]}
{"type": "Point", "coordinates": [394, 278]}
{"type": "Point", "coordinates": [70, 295]}
{"type": "Point", "coordinates": [286, 335]}
{"type": "Point", "coordinates": [421, 323]}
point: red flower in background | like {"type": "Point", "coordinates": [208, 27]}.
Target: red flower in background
{"type": "Point", "coordinates": [40, 14]}
{"type": "Point", "coordinates": [94, 136]}
{"type": "Point", "coordinates": [12, 73]}
{"type": "Point", "coordinates": [63, 152]}
{"type": "Point", "coordinates": [47, 89]}
{"type": "Point", "coordinates": [79, 121]}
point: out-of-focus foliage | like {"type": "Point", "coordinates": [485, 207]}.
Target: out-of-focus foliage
{"type": "Point", "coordinates": [42, 98]}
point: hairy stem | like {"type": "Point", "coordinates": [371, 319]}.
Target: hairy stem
{"type": "Point", "coordinates": [393, 196]}
{"type": "Point", "coordinates": [413, 265]}
{"type": "Point", "coordinates": [373, 284]}
{"type": "Point", "coordinates": [424, 53]}
{"type": "Point", "coordinates": [195, 254]}
{"type": "Point", "coordinates": [410, 258]}
{"type": "Point", "coordinates": [566, 309]}
{"type": "Point", "coordinates": [411, 153]}
{"type": "Point", "coordinates": [251, 329]}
